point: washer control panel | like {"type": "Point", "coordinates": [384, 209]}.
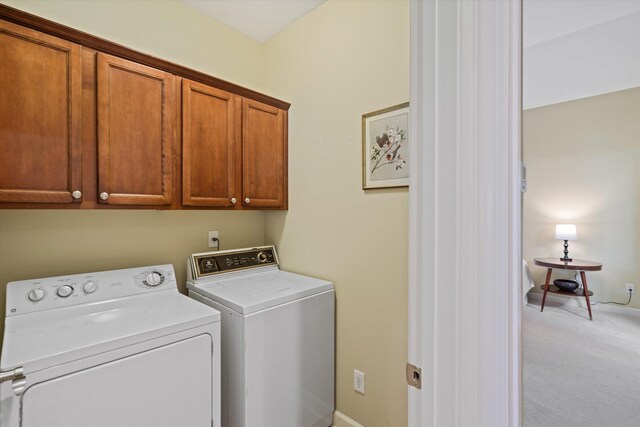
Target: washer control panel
{"type": "Point", "coordinates": [56, 292]}
{"type": "Point", "coordinates": [210, 263]}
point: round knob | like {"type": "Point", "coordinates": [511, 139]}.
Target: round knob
{"type": "Point", "coordinates": [64, 291]}
{"type": "Point", "coordinates": [262, 257]}
{"type": "Point", "coordinates": [36, 295]}
{"type": "Point", "coordinates": [247, 200]}
{"type": "Point", "coordinates": [104, 196]}
{"type": "Point", "coordinates": [234, 200]}
{"type": "Point", "coordinates": [76, 194]}
{"type": "Point", "coordinates": [89, 287]}
{"type": "Point", "coordinates": [154, 279]}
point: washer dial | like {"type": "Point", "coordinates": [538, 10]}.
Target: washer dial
{"type": "Point", "coordinates": [154, 279]}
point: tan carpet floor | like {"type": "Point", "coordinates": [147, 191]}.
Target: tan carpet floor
{"type": "Point", "coordinates": [578, 372]}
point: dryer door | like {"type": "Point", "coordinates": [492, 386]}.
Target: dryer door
{"type": "Point", "coordinates": [152, 388]}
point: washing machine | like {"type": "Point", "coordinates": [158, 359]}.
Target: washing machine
{"type": "Point", "coordinates": [116, 348]}
{"type": "Point", "coordinates": [277, 338]}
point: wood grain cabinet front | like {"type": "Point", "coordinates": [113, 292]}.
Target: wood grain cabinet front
{"type": "Point", "coordinates": [211, 146]}
{"type": "Point", "coordinates": [40, 117]}
{"type": "Point", "coordinates": [136, 133]}
{"type": "Point", "coordinates": [233, 150]}
{"type": "Point", "coordinates": [79, 114]}
{"type": "Point", "coordinates": [264, 156]}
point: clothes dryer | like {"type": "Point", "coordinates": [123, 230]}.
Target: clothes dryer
{"type": "Point", "coordinates": [116, 348]}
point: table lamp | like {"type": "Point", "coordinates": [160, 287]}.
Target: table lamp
{"type": "Point", "coordinates": [566, 232]}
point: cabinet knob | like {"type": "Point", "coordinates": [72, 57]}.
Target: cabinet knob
{"type": "Point", "coordinates": [247, 200]}
{"type": "Point", "coordinates": [104, 196]}
{"type": "Point", "coordinates": [234, 200]}
{"type": "Point", "coordinates": [76, 194]}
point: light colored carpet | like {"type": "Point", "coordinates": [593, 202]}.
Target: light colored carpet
{"type": "Point", "coordinates": [578, 372]}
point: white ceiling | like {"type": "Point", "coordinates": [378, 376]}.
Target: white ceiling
{"type": "Point", "coordinates": [579, 48]}
{"type": "Point", "coordinates": [548, 19]}
{"type": "Point", "coordinates": [258, 19]}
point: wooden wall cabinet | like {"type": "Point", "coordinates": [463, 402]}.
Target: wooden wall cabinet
{"type": "Point", "coordinates": [40, 117]}
{"type": "Point", "coordinates": [211, 146]}
{"type": "Point", "coordinates": [233, 150]}
{"type": "Point", "coordinates": [264, 161]}
{"type": "Point", "coordinates": [87, 123]}
{"type": "Point", "coordinates": [136, 133]}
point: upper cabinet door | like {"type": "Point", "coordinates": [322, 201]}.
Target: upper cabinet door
{"type": "Point", "coordinates": [136, 133]}
{"type": "Point", "coordinates": [263, 156]}
{"type": "Point", "coordinates": [40, 108]}
{"type": "Point", "coordinates": [211, 147]}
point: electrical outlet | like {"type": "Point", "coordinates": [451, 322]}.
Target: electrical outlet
{"type": "Point", "coordinates": [631, 288]}
{"type": "Point", "coordinates": [214, 240]}
{"type": "Point", "coordinates": [358, 381]}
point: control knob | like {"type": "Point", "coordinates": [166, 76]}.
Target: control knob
{"type": "Point", "coordinates": [64, 291]}
{"type": "Point", "coordinates": [89, 287]}
{"type": "Point", "coordinates": [36, 295]}
{"type": "Point", "coordinates": [262, 257]}
{"type": "Point", "coordinates": [154, 279]}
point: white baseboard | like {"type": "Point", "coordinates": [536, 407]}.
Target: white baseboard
{"type": "Point", "coordinates": [341, 420]}
{"type": "Point", "coordinates": [561, 301]}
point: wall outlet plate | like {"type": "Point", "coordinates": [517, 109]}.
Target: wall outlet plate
{"type": "Point", "coordinates": [630, 288]}
{"type": "Point", "coordinates": [214, 240]}
{"type": "Point", "coordinates": [358, 381]}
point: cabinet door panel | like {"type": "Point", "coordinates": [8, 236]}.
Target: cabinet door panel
{"type": "Point", "coordinates": [136, 132]}
{"type": "Point", "coordinates": [210, 146]}
{"type": "Point", "coordinates": [263, 152]}
{"type": "Point", "coordinates": [40, 116]}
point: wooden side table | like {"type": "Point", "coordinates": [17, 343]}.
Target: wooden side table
{"type": "Point", "coordinates": [576, 265]}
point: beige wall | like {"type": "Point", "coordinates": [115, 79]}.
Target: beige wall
{"type": "Point", "coordinates": [164, 28]}
{"type": "Point", "coordinates": [41, 243]}
{"type": "Point", "coordinates": [583, 164]}
{"type": "Point", "coordinates": [38, 243]}
{"type": "Point", "coordinates": [345, 59]}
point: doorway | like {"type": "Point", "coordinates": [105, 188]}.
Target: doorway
{"type": "Point", "coordinates": [581, 111]}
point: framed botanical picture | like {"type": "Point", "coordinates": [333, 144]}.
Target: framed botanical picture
{"type": "Point", "coordinates": [385, 135]}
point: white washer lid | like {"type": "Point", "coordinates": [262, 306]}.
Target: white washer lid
{"type": "Point", "coordinates": [48, 338]}
{"type": "Point", "coordinates": [249, 293]}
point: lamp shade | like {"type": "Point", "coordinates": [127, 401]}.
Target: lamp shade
{"type": "Point", "coordinates": [566, 232]}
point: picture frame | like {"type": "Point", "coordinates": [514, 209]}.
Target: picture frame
{"type": "Point", "coordinates": [385, 151]}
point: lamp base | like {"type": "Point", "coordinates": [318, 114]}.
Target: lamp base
{"type": "Point", "coordinates": [566, 252]}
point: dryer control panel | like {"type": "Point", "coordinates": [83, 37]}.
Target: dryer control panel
{"type": "Point", "coordinates": [210, 263]}
{"type": "Point", "coordinates": [56, 292]}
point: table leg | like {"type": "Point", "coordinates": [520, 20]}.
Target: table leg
{"type": "Point", "coordinates": [546, 288]}
{"type": "Point", "coordinates": [586, 292]}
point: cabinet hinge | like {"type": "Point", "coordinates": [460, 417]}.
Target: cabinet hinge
{"type": "Point", "coordinates": [523, 178]}
{"type": "Point", "coordinates": [414, 376]}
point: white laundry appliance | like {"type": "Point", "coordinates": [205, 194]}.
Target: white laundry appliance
{"type": "Point", "coordinates": [277, 338]}
{"type": "Point", "coordinates": [116, 348]}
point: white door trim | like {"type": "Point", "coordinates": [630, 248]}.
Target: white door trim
{"type": "Point", "coordinates": [465, 212]}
